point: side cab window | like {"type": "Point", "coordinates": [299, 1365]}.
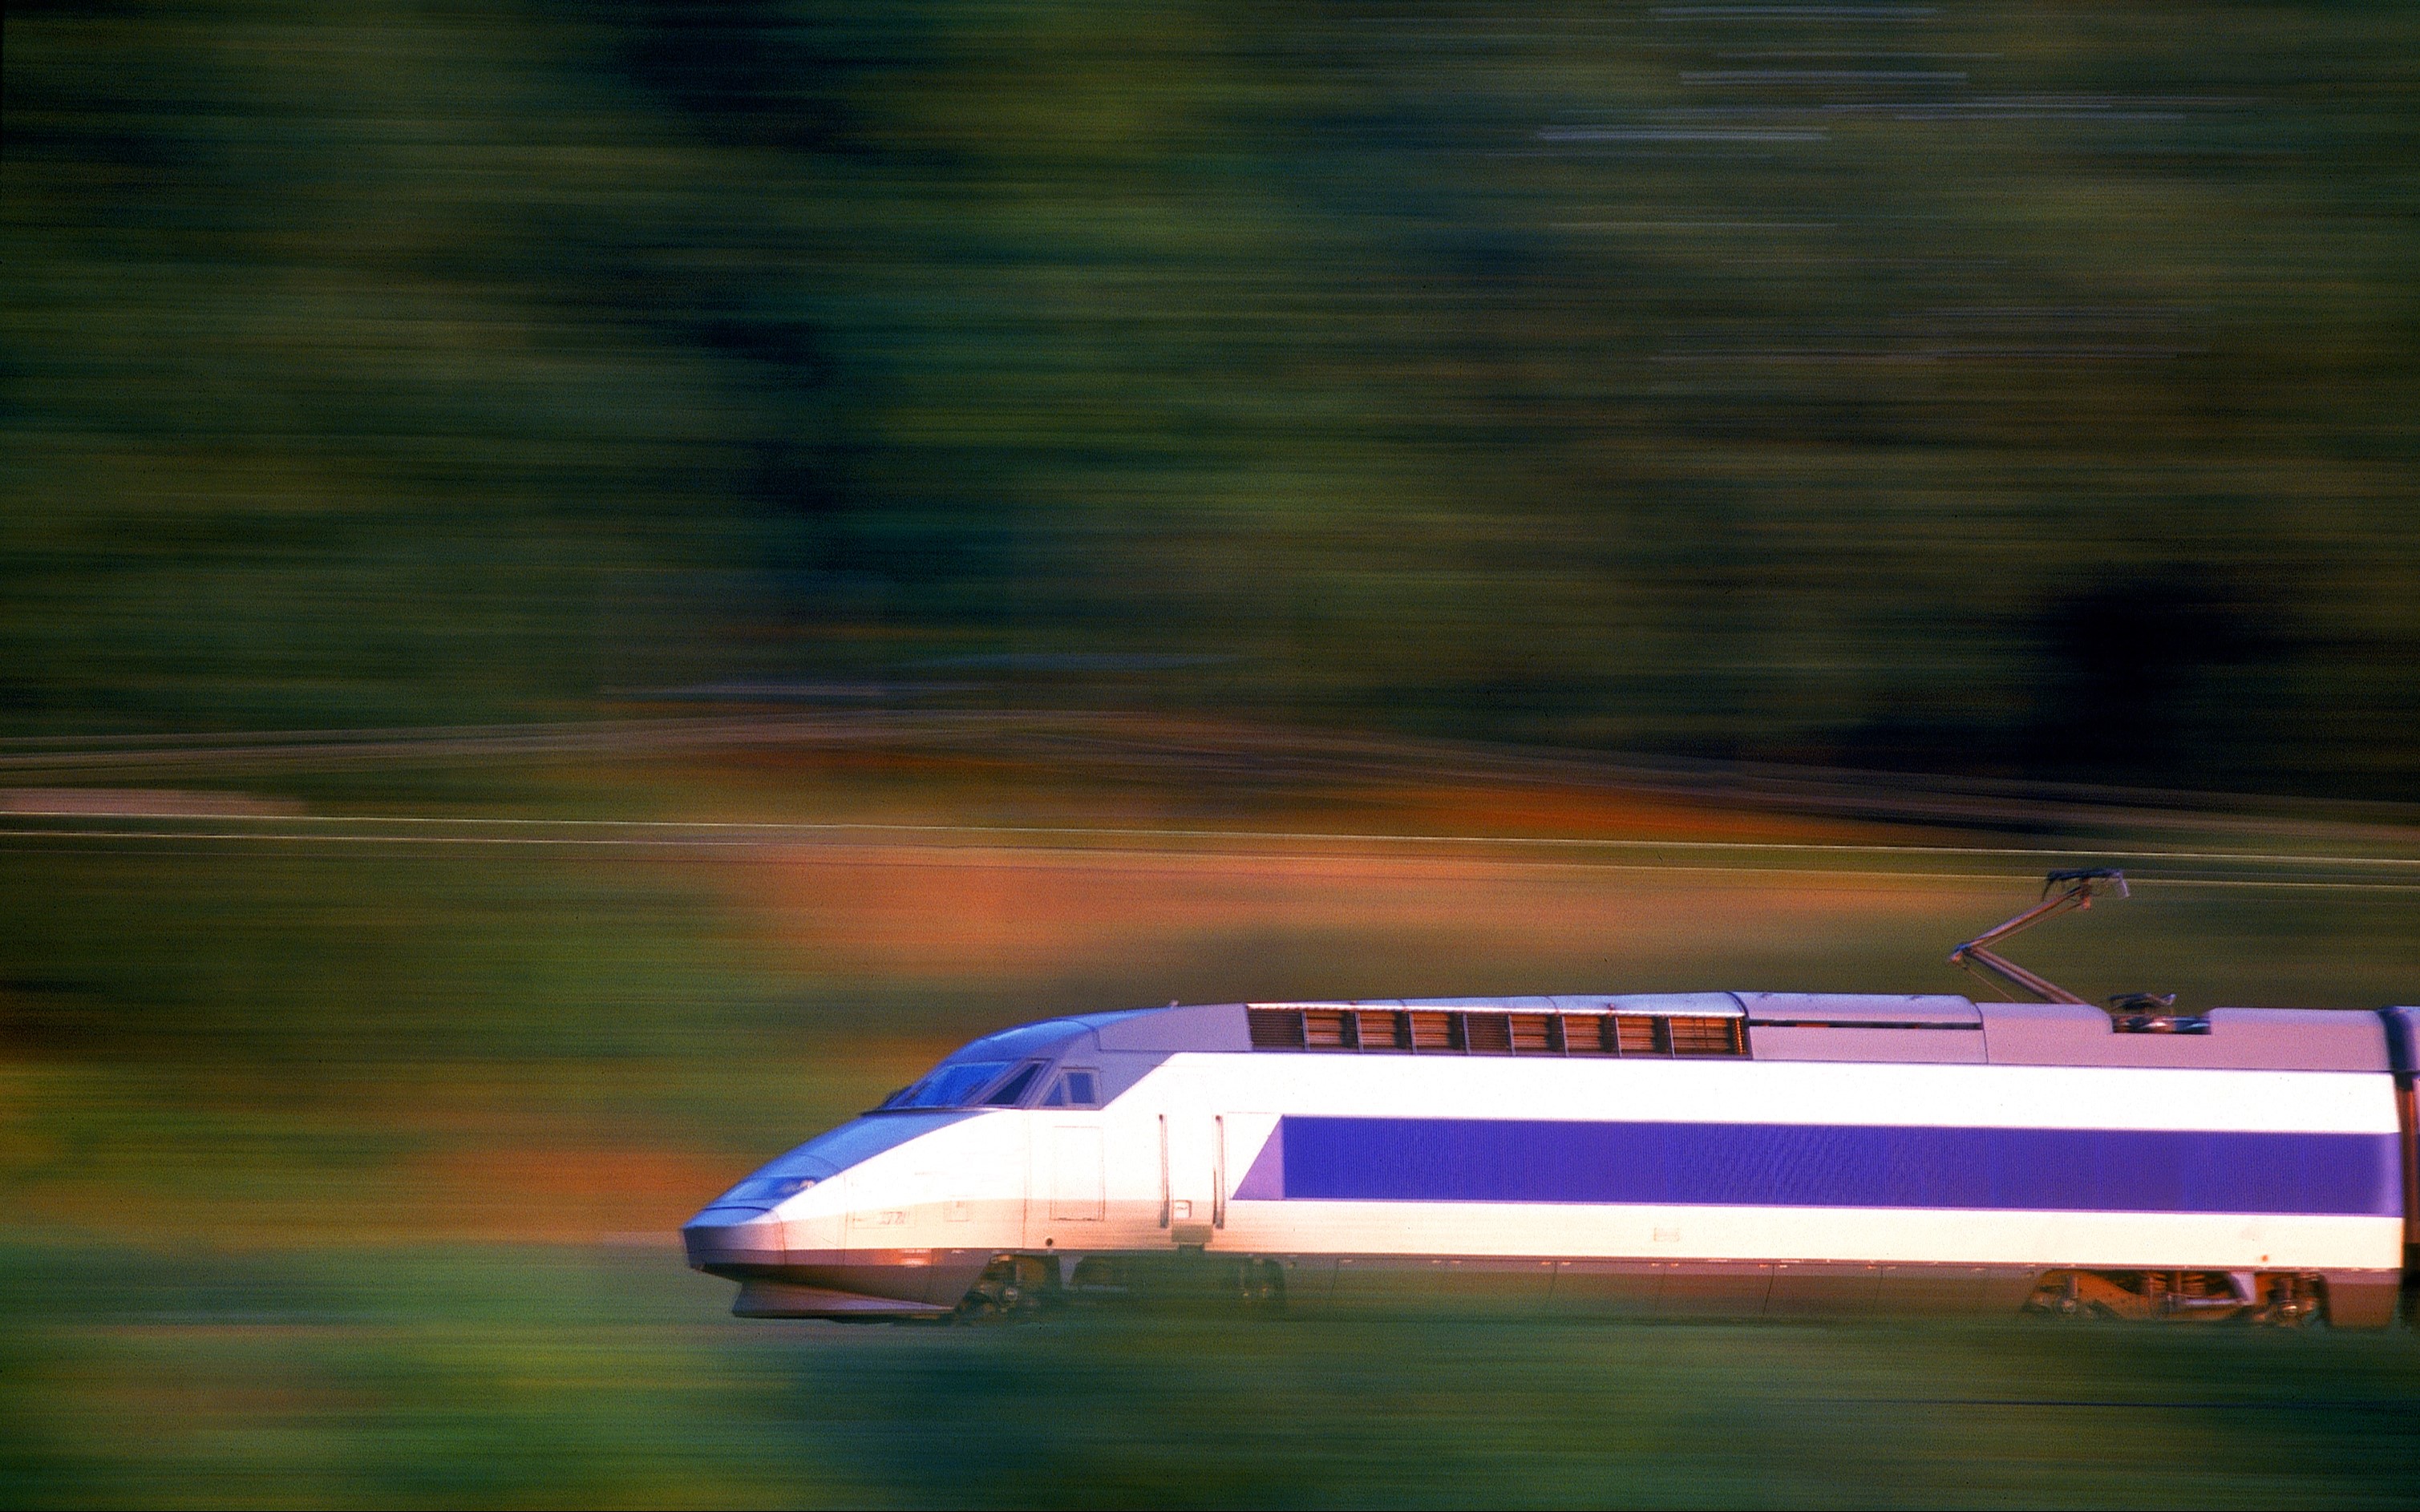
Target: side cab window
{"type": "Point", "coordinates": [1075, 1089]}
{"type": "Point", "coordinates": [1012, 1091]}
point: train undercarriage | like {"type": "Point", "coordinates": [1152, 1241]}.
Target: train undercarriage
{"type": "Point", "coordinates": [2275, 1298]}
{"type": "Point", "coordinates": [1025, 1286]}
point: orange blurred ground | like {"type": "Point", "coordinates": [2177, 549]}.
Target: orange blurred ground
{"type": "Point", "coordinates": [1031, 925]}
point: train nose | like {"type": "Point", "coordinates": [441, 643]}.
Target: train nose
{"type": "Point", "coordinates": [732, 1236]}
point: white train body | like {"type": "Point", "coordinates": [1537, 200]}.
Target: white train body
{"type": "Point", "coordinates": [1705, 1152]}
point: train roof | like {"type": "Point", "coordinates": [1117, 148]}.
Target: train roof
{"type": "Point", "coordinates": [1930, 1027]}
{"type": "Point", "coordinates": [2139, 1030]}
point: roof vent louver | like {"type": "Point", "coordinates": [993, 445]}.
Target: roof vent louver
{"type": "Point", "coordinates": [1344, 1028]}
{"type": "Point", "coordinates": [1635, 1035]}
{"type": "Point", "coordinates": [1276, 1028]}
{"type": "Point", "coordinates": [1487, 1034]}
{"type": "Point", "coordinates": [1706, 1037]}
{"type": "Point", "coordinates": [1330, 1029]}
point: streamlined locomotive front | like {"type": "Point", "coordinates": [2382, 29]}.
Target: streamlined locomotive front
{"type": "Point", "coordinates": [897, 1213]}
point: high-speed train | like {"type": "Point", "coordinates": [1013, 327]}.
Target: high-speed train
{"type": "Point", "coordinates": [1669, 1154]}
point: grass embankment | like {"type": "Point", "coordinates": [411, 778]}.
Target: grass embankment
{"type": "Point", "coordinates": [559, 1375]}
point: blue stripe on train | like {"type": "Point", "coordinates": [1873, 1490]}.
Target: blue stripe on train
{"type": "Point", "coordinates": [1826, 1166]}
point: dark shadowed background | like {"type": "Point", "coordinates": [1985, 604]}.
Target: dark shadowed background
{"type": "Point", "coordinates": [2022, 389]}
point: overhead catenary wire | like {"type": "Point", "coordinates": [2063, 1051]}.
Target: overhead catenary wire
{"type": "Point", "coordinates": [1131, 741]}
{"type": "Point", "coordinates": [431, 831]}
{"type": "Point", "coordinates": [777, 828]}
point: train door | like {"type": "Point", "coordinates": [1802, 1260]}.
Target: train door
{"type": "Point", "coordinates": [1192, 1190]}
{"type": "Point", "coordinates": [1203, 1154]}
{"type": "Point", "coordinates": [982, 1195]}
{"type": "Point", "coordinates": [1070, 1193]}
{"type": "Point", "coordinates": [1067, 1205]}
{"type": "Point", "coordinates": [1244, 1139]}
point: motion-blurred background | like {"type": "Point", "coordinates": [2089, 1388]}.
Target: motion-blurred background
{"type": "Point", "coordinates": [588, 587]}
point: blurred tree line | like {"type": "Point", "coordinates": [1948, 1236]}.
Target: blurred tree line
{"type": "Point", "coordinates": [1997, 386]}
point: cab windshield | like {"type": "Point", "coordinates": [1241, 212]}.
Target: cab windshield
{"type": "Point", "coordinates": [950, 1086]}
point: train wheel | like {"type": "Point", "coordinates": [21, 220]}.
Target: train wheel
{"type": "Point", "coordinates": [2081, 1294]}
{"type": "Point", "coordinates": [2292, 1301]}
{"type": "Point", "coordinates": [1011, 1287]}
{"type": "Point", "coordinates": [1262, 1286]}
{"type": "Point", "coordinates": [2057, 1297]}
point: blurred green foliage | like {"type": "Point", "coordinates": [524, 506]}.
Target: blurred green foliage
{"type": "Point", "coordinates": [538, 1376]}
{"type": "Point", "coordinates": [268, 958]}
{"type": "Point", "coordinates": [2020, 388]}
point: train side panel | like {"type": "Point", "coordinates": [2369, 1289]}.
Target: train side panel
{"type": "Point", "coordinates": [1959, 1180]}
